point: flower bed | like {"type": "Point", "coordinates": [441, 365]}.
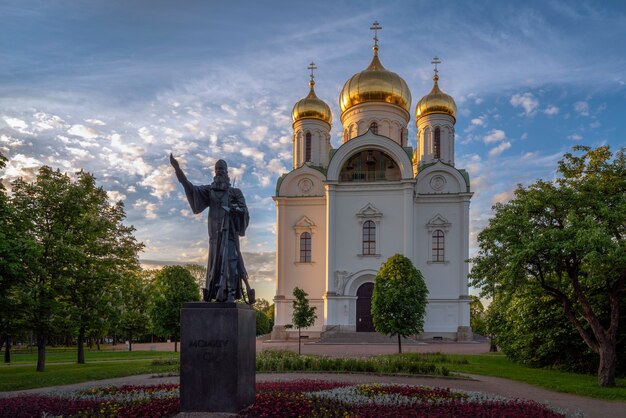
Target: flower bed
{"type": "Point", "coordinates": [300, 398]}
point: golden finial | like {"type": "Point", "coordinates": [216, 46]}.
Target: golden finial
{"type": "Point", "coordinates": [312, 67]}
{"type": "Point", "coordinates": [436, 61]}
{"type": "Point", "coordinates": [376, 27]}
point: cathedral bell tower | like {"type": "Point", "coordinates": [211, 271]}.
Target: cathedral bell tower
{"type": "Point", "coordinates": [311, 129]}
{"type": "Point", "coordinates": [435, 116]}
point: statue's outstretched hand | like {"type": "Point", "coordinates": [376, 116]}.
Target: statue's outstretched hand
{"type": "Point", "coordinates": [174, 162]}
{"type": "Point", "coordinates": [179, 173]}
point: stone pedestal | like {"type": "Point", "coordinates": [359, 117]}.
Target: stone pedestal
{"type": "Point", "coordinates": [217, 357]}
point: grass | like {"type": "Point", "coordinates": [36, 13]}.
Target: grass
{"type": "Point", "coordinates": [498, 365]}
{"type": "Point", "coordinates": [17, 378]}
{"type": "Point", "coordinates": [69, 356]}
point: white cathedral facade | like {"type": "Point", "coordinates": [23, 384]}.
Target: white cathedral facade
{"type": "Point", "coordinates": [341, 213]}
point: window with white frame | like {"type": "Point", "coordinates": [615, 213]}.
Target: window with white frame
{"type": "Point", "coordinates": [304, 230]}
{"type": "Point", "coordinates": [369, 231]}
{"type": "Point", "coordinates": [305, 247]}
{"type": "Point", "coordinates": [438, 227]}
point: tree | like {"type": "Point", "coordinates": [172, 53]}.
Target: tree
{"type": "Point", "coordinates": [477, 316]}
{"type": "Point", "coordinates": [134, 319]}
{"type": "Point", "coordinates": [399, 299]}
{"type": "Point", "coordinates": [567, 238]}
{"type": "Point", "coordinates": [173, 286]}
{"type": "Point", "coordinates": [199, 273]}
{"type": "Point", "coordinates": [303, 315]}
{"type": "Point", "coordinates": [264, 323]}
{"type": "Point", "coordinates": [45, 212]}
{"type": "Point", "coordinates": [101, 251]}
{"type": "Point", "coordinates": [15, 248]}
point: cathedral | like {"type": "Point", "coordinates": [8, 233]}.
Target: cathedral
{"type": "Point", "coordinates": [341, 213]}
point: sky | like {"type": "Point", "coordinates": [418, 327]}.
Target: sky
{"type": "Point", "coordinates": [112, 87]}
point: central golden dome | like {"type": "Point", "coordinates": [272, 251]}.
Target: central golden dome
{"type": "Point", "coordinates": [375, 84]}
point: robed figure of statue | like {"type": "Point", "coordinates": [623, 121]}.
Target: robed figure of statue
{"type": "Point", "coordinates": [228, 220]}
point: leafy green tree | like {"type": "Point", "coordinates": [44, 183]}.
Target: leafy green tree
{"type": "Point", "coordinates": [303, 314]}
{"type": "Point", "coordinates": [15, 248]}
{"type": "Point", "coordinates": [264, 323]}
{"type": "Point", "coordinates": [477, 316]}
{"type": "Point", "coordinates": [199, 273]}
{"type": "Point", "coordinates": [173, 286]}
{"type": "Point", "coordinates": [134, 319]}
{"type": "Point", "coordinates": [46, 212]}
{"type": "Point", "coordinates": [399, 299]}
{"type": "Point", "coordinates": [101, 251]}
{"type": "Point", "coordinates": [567, 238]}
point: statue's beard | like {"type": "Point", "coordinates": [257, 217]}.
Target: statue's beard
{"type": "Point", "coordinates": [221, 182]}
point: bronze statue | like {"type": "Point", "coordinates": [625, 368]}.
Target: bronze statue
{"type": "Point", "coordinates": [228, 220]}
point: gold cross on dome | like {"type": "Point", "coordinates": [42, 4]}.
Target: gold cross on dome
{"type": "Point", "coordinates": [436, 61]}
{"type": "Point", "coordinates": [376, 27]}
{"type": "Point", "coordinates": [312, 67]}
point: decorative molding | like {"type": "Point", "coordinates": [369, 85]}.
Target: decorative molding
{"type": "Point", "coordinates": [305, 224]}
{"type": "Point", "coordinates": [438, 222]}
{"type": "Point", "coordinates": [368, 211]}
{"type": "Point", "coordinates": [437, 182]}
{"type": "Point", "coordinates": [341, 278]}
{"type": "Point", "coordinates": [305, 185]}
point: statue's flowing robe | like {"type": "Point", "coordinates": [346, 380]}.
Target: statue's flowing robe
{"type": "Point", "coordinates": [201, 197]}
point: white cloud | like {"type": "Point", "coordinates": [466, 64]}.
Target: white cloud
{"type": "Point", "coordinates": [253, 153]}
{"type": "Point", "coordinates": [551, 110]}
{"type": "Point", "coordinates": [495, 135]}
{"type": "Point", "coordinates": [46, 122]}
{"type": "Point", "coordinates": [525, 100]}
{"type": "Point", "coordinates": [148, 208]}
{"type": "Point", "coordinates": [228, 109]}
{"type": "Point", "coordinates": [144, 133]}
{"type": "Point", "coordinates": [95, 122]}
{"type": "Point", "coordinates": [79, 153]}
{"type": "Point", "coordinates": [10, 141]}
{"type": "Point", "coordinates": [23, 166]}
{"type": "Point", "coordinates": [575, 137]}
{"type": "Point", "coordinates": [499, 149]}
{"type": "Point", "coordinates": [479, 121]}
{"type": "Point", "coordinates": [258, 133]}
{"type": "Point", "coordinates": [115, 196]}
{"type": "Point", "coordinates": [582, 108]}
{"type": "Point", "coordinates": [160, 181]}
{"type": "Point", "coordinates": [18, 125]}
{"type": "Point", "coordinates": [83, 131]}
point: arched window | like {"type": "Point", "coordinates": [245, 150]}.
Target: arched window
{"type": "Point", "coordinates": [307, 147]}
{"type": "Point", "coordinates": [438, 246]}
{"type": "Point", "coordinates": [374, 127]}
{"type": "Point", "coordinates": [437, 144]}
{"type": "Point", "coordinates": [305, 247]}
{"type": "Point", "coordinates": [369, 238]}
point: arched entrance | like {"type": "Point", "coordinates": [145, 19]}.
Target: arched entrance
{"type": "Point", "coordinates": [364, 321]}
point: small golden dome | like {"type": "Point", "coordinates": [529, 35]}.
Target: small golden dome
{"type": "Point", "coordinates": [375, 84]}
{"type": "Point", "coordinates": [435, 102]}
{"type": "Point", "coordinates": [311, 107]}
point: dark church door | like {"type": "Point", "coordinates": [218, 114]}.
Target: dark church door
{"type": "Point", "coordinates": [364, 321]}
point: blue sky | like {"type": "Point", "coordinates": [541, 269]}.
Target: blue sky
{"type": "Point", "coordinates": [114, 86]}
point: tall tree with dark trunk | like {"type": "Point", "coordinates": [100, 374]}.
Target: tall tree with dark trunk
{"type": "Point", "coordinates": [567, 237]}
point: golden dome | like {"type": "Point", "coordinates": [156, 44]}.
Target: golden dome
{"type": "Point", "coordinates": [435, 102]}
{"type": "Point", "coordinates": [311, 107]}
{"type": "Point", "coordinates": [375, 84]}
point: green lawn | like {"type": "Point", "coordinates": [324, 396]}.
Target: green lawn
{"type": "Point", "coordinates": [499, 366]}
{"type": "Point", "coordinates": [65, 356]}
{"type": "Point", "coordinates": [16, 378]}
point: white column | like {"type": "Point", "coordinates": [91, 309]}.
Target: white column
{"type": "Point", "coordinates": [329, 306]}
{"type": "Point", "coordinates": [408, 220]}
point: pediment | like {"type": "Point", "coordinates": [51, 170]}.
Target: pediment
{"type": "Point", "coordinates": [369, 211]}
